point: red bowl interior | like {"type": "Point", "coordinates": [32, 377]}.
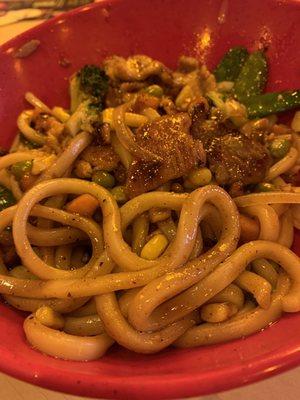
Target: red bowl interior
{"type": "Point", "coordinates": [164, 30]}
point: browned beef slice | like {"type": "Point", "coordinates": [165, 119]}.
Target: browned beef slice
{"type": "Point", "coordinates": [169, 138]}
{"type": "Point", "coordinates": [231, 156]}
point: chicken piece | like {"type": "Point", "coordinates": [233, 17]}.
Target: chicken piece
{"type": "Point", "coordinates": [101, 157]}
{"type": "Point", "coordinates": [232, 156]}
{"type": "Point", "coordinates": [195, 84]}
{"type": "Point", "coordinates": [169, 138]}
{"type": "Point", "coordinates": [168, 105]}
{"type": "Point", "coordinates": [135, 68]}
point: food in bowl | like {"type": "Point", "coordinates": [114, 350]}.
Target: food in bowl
{"type": "Point", "coordinates": [158, 210]}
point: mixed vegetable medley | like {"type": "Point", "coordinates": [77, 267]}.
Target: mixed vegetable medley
{"type": "Point", "coordinates": [183, 129]}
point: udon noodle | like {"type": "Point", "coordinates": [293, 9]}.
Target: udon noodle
{"type": "Point", "coordinates": [109, 233]}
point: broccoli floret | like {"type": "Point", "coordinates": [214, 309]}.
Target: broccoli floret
{"type": "Point", "coordinates": [88, 88]}
{"type": "Point", "coordinates": [90, 83]}
{"type": "Point", "coordinates": [93, 81]}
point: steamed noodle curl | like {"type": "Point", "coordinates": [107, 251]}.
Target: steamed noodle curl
{"type": "Point", "coordinates": [162, 311]}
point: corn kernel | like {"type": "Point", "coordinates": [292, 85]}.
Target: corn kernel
{"type": "Point", "coordinates": [154, 247]}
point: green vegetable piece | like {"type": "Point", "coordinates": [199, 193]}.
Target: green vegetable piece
{"type": "Point", "coordinates": [272, 103]}
{"type": "Point", "coordinates": [231, 64]}
{"type": "Point", "coordinates": [280, 147]}
{"type": "Point", "coordinates": [93, 80]}
{"type": "Point", "coordinates": [104, 179]}
{"type": "Point", "coordinates": [93, 84]}
{"type": "Point", "coordinates": [265, 187]}
{"type": "Point", "coordinates": [253, 76]}
{"type": "Point", "coordinates": [200, 177]}
{"type": "Point", "coordinates": [21, 168]}
{"type": "Point", "coordinates": [119, 194]}
{"type": "Point", "coordinates": [154, 90]}
{"type": "Point", "coordinates": [6, 198]}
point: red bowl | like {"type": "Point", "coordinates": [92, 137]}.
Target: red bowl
{"type": "Point", "coordinates": [164, 30]}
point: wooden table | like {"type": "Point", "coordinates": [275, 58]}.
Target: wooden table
{"type": "Point", "coordinates": [283, 387]}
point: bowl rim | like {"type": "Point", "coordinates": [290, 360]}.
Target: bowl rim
{"type": "Point", "coordinates": [262, 367]}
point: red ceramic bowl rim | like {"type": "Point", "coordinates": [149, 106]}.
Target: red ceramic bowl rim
{"type": "Point", "coordinates": [262, 367]}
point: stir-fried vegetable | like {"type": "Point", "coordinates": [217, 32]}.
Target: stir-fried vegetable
{"type": "Point", "coordinates": [103, 178]}
{"type": "Point", "coordinates": [280, 147]}
{"type": "Point", "coordinates": [253, 76]}
{"type": "Point", "coordinates": [90, 83]}
{"type": "Point", "coordinates": [85, 205]}
{"type": "Point", "coordinates": [272, 103]}
{"type": "Point", "coordinates": [21, 168]}
{"type": "Point", "coordinates": [119, 194]}
{"type": "Point", "coordinates": [6, 198]}
{"type": "Point", "coordinates": [200, 177]}
{"type": "Point", "coordinates": [231, 64]}
{"type": "Point", "coordinates": [154, 90]}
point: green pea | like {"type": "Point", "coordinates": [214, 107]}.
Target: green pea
{"type": "Point", "coordinates": [200, 177]}
{"type": "Point", "coordinates": [104, 179]}
{"type": "Point", "coordinates": [6, 198]}
{"type": "Point", "coordinates": [119, 194]}
{"type": "Point", "coordinates": [265, 187]}
{"type": "Point", "coordinates": [21, 168]}
{"type": "Point", "coordinates": [280, 147]}
{"type": "Point", "coordinates": [154, 90]}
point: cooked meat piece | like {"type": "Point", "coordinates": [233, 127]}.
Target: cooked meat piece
{"type": "Point", "coordinates": [135, 68]}
{"type": "Point", "coordinates": [236, 158]}
{"type": "Point", "coordinates": [101, 157]}
{"type": "Point", "coordinates": [169, 138]}
{"type": "Point", "coordinates": [231, 156]}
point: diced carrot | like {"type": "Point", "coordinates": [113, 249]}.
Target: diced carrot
{"type": "Point", "coordinates": [84, 205]}
{"type": "Point", "coordinates": [249, 228]}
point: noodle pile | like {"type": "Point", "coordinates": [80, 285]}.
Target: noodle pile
{"type": "Point", "coordinates": [186, 267]}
